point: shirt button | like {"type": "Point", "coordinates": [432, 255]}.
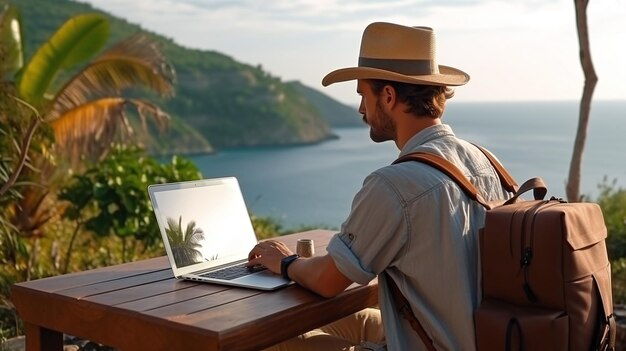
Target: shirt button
{"type": "Point", "coordinates": [350, 236]}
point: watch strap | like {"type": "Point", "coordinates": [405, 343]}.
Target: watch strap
{"type": "Point", "coordinates": [285, 263]}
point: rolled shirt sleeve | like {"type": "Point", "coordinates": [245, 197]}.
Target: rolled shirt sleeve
{"type": "Point", "coordinates": [347, 262]}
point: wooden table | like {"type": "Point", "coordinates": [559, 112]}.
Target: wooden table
{"type": "Point", "coordinates": [141, 306]}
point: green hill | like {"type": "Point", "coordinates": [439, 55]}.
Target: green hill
{"type": "Point", "coordinates": [219, 102]}
{"type": "Point", "coordinates": [336, 114]}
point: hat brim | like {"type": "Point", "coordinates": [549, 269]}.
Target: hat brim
{"type": "Point", "coordinates": [447, 76]}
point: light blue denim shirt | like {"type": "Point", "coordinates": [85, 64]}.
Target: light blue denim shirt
{"type": "Point", "coordinates": [416, 224]}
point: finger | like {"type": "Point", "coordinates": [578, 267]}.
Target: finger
{"type": "Point", "coordinates": [252, 255]}
{"type": "Point", "coordinates": [282, 246]}
{"type": "Point", "coordinates": [253, 261]}
{"type": "Point", "coordinates": [256, 251]}
{"type": "Point", "coordinates": [268, 243]}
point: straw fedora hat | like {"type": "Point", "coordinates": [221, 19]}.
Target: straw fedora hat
{"type": "Point", "coordinates": [399, 53]}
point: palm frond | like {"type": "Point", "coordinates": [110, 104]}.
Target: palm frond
{"type": "Point", "coordinates": [89, 129]}
{"type": "Point", "coordinates": [135, 61]}
{"type": "Point", "coordinates": [146, 110]}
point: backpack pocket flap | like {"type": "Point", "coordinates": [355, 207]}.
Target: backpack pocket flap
{"type": "Point", "coordinates": [602, 280]}
{"type": "Point", "coordinates": [583, 224]}
{"type": "Point", "coordinates": [501, 326]}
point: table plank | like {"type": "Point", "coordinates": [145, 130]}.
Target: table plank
{"type": "Point", "coordinates": [175, 287]}
{"type": "Point", "coordinates": [167, 306]}
{"type": "Point", "coordinates": [115, 284]}
{"type": "Point", "coordinates": [99, 275]}
{"type": "Point", "coordinates": [288, 308]}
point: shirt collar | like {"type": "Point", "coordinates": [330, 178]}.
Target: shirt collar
{"type": "Point", "coordinates": [426, 135]}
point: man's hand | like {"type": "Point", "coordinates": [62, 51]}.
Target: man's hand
{"type": "Point", "coordinates": [268, 253]}
{"type": "Point", "coordinates": [318, 274]}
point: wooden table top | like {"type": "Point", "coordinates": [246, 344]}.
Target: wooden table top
{"type": "Point", "coordinates": [141, 306]}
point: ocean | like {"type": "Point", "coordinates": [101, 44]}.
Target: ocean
{"type": "Point", "coordinates": [314, 185]}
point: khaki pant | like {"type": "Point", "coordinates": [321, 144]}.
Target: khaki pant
{"type": "Point", "coordinates": [360, 331]}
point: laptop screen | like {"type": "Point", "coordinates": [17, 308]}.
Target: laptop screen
{"type": "Point", "coordinates": [204, 223]}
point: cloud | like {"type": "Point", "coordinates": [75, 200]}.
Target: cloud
{"type": "Point", "coordinates": [299, 14]}
{"type": "Point", "coordinates": [529, 46]}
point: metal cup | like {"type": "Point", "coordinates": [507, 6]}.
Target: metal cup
{"type": "Point", "coordinates": [305, 248]}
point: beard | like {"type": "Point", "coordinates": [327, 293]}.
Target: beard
{"type": "Point", "coordinates": [382, 127]}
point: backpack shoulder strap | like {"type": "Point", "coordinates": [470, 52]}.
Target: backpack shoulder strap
{"type": "Point", "coordinates": [508, 182]}
{"type": "Point", "coordinates": [506, 178]}
{"type": "Point", "coordinates": [449, 169]}
{"type": "Point", "coordinates": [404, 308]}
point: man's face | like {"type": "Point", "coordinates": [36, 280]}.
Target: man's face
{"type": "Point", "coordinates": [382, 126]}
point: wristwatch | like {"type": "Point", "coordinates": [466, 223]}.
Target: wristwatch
{"type": "Point", "coordinates": [284, 265]}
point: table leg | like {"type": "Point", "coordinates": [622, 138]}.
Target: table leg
{"type": "Point", "coordinates": [40, 338]}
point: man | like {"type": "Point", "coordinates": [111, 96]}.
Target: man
{"type": "Point", "coordinates": [409, 222]}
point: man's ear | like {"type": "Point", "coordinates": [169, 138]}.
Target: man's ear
{"type": "Point", "coordinates": [389, 96]}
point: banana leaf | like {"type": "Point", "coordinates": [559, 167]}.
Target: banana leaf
{"type": "Point", "coordinates": [11, 43]}
{"type": "Point", "coordinates": [77, 40]}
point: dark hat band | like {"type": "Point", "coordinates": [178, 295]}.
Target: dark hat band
{"type": "Point", "coordinates": [407, 67]}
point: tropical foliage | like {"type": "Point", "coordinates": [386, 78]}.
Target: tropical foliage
{"type": "Point", "coordinates": [83, 113]}
{"type": "Point", "coordinates": [218, 100]}
{"type": "Point", "coordinates": [110, 199]}
{"type": "Point", "coordinates": [107, 220]}
{"type": "Point", "coordinates": [86, 111]}
{"type": "Point", "coordinates": [58, 113]}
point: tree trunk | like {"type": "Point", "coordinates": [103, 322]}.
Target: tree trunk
{"type": "Point", "coordinates": [573, 181]}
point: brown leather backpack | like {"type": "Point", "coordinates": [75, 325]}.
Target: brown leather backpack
{"type": "Point", "coordinates": [546, 277]}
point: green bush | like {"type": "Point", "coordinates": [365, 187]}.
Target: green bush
{"type": "Point", "coordinates": [111, 198]}
{"type": "Point", "coordinates": [618, 269]}
{"type": "Point", "coordinates": [612, 200]}
{"type": "Point", "coordinates": [266, 227]}
{"type": "Point", "coordinates": [105, 212]}
{"type": "Point", "coordinates": [106, 218]}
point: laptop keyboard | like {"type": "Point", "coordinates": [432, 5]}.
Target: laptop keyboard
{"type": "Point", "coordinates": [232, 272]}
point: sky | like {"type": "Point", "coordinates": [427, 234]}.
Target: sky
{"type": "Point", "coordinates": [514, 50]}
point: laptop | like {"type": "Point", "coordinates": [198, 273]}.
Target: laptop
{"type": "Point", "coordinates": [207, 233]}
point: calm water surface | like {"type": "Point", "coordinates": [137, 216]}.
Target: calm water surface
{"type": "Point", "coordinates": [314, 185]}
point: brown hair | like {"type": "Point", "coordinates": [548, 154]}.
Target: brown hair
{"type": "Point", "coordinates": [422, 100]}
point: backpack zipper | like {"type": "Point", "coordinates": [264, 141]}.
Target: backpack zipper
{"type": "Point", "coordinates": [527, 249]}
{"type": "Point", "coordinates": [527, 242]}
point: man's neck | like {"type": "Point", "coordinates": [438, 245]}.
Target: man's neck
{"type": "Point", "coordinates": [408, 127]}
